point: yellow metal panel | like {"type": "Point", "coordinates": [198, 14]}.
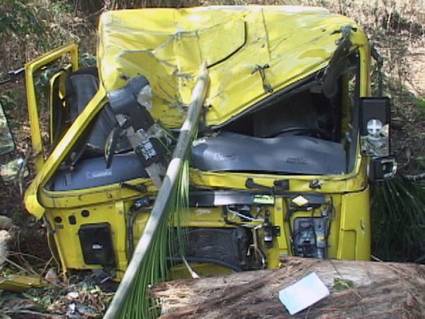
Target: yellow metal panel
{"type": "Point", "coordinates": [354, 181]}
{"type": "Point", "coordinates": [349, 236]}
{"type": "Point", "coordinates": [204, 217]}
{"type": "Point", "coordinates": [127, 47]}
{"type": "Point", "coordinates": [18, 283]}
{"type": "Point", "coordinates": [347, 244]}
{"type": "Point", "coordinates": [235, 39]}
{"type": "Point", "coordinates": [334, 231]}
{"type": "Point", "coordinates": [139, 225]}
{"type": "Point", "coordinates": [354, 238]}
{"type": "Point", "coordinates": [94, 195]}
{"type": "Point", "coordinates": [30, 69]}
{"type": "Point", "coordinates": [66, 234]}
{"type": "Point", "coordinates": [56, 86]}
{"type": "Point", "coordinates": [166, 45]}
{"type": "Point", "coordinates": [278, 218]}
{"type": "Point", "coordinates": [293, 41]}
{"type": "Point", "coordinates": [31, 199]}
{"type": "Point", "coordinates": [167, 99]}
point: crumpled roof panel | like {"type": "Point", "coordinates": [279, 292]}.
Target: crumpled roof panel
{"type": "Point", "coordinates": [168, 46]}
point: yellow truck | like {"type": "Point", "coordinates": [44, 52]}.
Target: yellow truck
{"type": "Point", "coordinates": [289, 141]}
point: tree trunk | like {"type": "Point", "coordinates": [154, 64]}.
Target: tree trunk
{"type": "Point", "coordinates": [358, 290]}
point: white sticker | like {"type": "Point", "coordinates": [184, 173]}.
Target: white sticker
{"type": "Point", "coordinates": [303, 293]}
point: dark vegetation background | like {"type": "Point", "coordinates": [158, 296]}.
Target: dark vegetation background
{"type": "Point", "coordinates": [397, 27]}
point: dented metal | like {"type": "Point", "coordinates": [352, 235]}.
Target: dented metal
{"type": "Point", "coordinates": [258, 58]}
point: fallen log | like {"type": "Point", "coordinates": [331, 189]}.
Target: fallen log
{"type": "Point", "coordinates": [358, 290]}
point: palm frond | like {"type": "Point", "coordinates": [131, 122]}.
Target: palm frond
{"type": "Point", "coordinates": [398, 221]}
{"type": "Point", "coordinates": [149, 262]}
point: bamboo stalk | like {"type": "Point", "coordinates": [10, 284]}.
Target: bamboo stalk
{"type": "Point", "coordinates": [159, 210]}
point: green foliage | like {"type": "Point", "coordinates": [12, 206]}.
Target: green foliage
{"type": "Point", "coordinates": [7, 99]}
{"type": "Point", "coordinates": [155, 267]}
{"type": "Point", "coordinates": [28, 29]}
{"type": "Point", "coordinates": [420, 103]}
{"type": "Point", "coordinates": [19, 19]}
{"type": "Point", "coordinates": [342, 284]}
{"type": "Point", "coordinates": [60, 7]}
{"type": "Point", "coordinates": [420, 160]}
{"type": "Point", "coordinates": [398, 219]}
{"type": "Point", "coordinates": [41, 297]}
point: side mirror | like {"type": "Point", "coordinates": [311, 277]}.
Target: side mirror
{"type": "Point", "coordinates": [375, 126]}
{"type": "Point", "coordinates": [375, 118]}
{"type": "Point", "coordinates": [382, 168]}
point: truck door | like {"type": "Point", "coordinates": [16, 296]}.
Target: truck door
{"type": "Point", "coordinates": [60, 60]}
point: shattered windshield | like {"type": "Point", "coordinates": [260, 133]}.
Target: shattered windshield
{"type": "Point", "coordinates": [304, 131]}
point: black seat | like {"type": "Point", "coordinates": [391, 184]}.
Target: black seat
{"type": "Point", "coordinates": [290, 154]}
{"type": "Point", "coordinates": [92, 172]}
{"type": "Point", "coordinates": [81, 86]}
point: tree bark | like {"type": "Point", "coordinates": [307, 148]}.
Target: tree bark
{"type": "Point", "coordinates": [358, 290]}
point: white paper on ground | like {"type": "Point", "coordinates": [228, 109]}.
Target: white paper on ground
{"type": "Point", "coordinates": [303, 293]}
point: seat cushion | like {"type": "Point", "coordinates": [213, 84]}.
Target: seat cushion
{"type": "Point", "coordinates": [290, 154]}
{"type": "Point", "coordinates": [92, 172]}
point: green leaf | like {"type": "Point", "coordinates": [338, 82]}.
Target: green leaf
{"type": "Point", "coordinates": [342, 284]}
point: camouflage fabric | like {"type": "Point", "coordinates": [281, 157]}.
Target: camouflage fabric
{"type": "Point", "coordinates": [6, 141]}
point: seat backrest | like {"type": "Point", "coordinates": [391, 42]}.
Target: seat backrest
{"type": "Point", "coordinates": [81, 86]}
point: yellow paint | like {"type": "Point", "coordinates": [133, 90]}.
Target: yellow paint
{"type": "Point", "coordinates": [354, 233]}
{"type": "Point", "coordinates": [66, 234]}
{"type": "Point", "coordinates": [349, 236]}
{"type": "Point", "coordinates": [56, 81]}
{"type": "Point", "coordinates": [30, 70]}
{"type": "Point", "coordinates": [278, 218]}
{"type": "Point", "coordinates": [19, 283]}
{"type": "Point", "coordinates": [168, 48]}
{"type": "Point", "coordinates": [293, 41]}
{"type": "Point", "coordinates": [330, 183]}
{"type": "Point", "coordinates": [36, 190]}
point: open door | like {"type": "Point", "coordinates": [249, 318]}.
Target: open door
{"type": "Point", "coordinates": [66, 55]}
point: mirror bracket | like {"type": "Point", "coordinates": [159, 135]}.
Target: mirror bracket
{"type": "Point", "coordinates": [382, 168]}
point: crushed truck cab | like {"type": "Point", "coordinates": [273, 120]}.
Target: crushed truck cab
{"type": "Point", "coordinates": [289, 142]}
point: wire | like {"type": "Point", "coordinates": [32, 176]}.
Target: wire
{"type": "Point", "coordinates": [244, 216]}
